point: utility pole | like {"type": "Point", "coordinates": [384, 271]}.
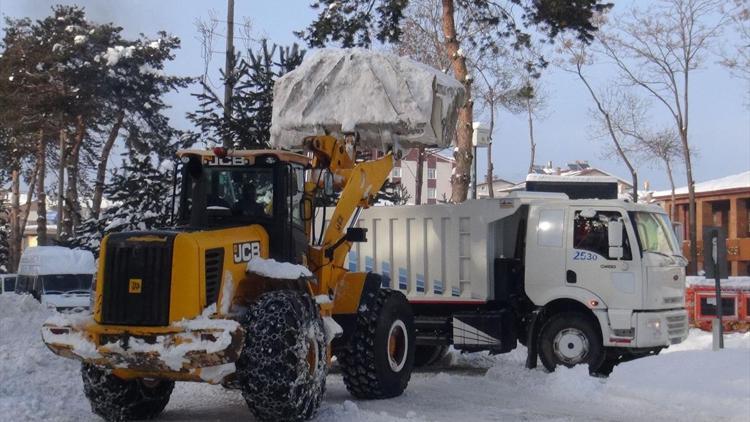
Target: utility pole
{"type": "Point", "coordinates": [229, 71]}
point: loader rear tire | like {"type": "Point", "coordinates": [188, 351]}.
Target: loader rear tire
{"type": "Point", "coordinates": [115, 399]}
{"type": "Point", "coordinates": [377, 362]}
{"type": "Point", "coordinates": [283, 365]}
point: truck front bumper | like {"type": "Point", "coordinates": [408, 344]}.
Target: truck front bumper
{"type": "Point", "coordinates": [663, 328]}
{"type": "Point", "coordinates": [197, 350]}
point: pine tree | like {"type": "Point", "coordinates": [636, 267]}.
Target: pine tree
{"type": "Point", "coordinates": [141, 193]}
{"type": "Point", "coordinates": [250, 122]}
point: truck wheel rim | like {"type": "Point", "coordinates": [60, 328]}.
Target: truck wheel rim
{"type": "Point", "coordinates": [571, 346]}
{"type": "Point", "coordinates": [398, 344]}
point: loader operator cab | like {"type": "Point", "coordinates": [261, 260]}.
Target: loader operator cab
{"type": "Point", "coordinates": [244, 188]}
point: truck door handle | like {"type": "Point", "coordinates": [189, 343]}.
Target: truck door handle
{"type": "Point", "coordinates": [570, 276]}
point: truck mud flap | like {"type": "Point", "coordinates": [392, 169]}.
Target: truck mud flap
{"type": "Point", "coordinates": [532, 332]}
{"type": "Point", "coordinates": [493, 331]}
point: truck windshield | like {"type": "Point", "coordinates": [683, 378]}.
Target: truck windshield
{"type": "Point", "coordinates": [66, 283]}
{"type": "Point", "coordinates": [655, 233]}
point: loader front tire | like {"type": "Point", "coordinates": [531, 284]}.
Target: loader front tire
{"type": "Point", "coordinates": [283, 365]}
{"type": "Point", "coordinates": [115, 399]}
{"type": "Point", "coordinates": [377, 362]}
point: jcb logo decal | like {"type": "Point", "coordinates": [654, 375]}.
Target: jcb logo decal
{"type": "Point", "coordinates": [243, 252]}
{"type": "Point", "coordinates": [135, 285]}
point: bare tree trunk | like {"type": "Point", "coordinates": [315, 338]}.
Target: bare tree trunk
{"type": "Point", "coordinates": [61, 183]}
{"type": "Point", "coordinates": [101, 170]}
{"type": "Point", "coordinates": [73, 209]}
{"type": "Point", "coordinates": [693, 221]}
{"type": "Point", "coordinates": [490, 167]}
{"type": "Point", "coordinates": [419, 177]}
{"type": "Point", "coordinates": [27, 207]}
{"type": "Point", "coordinates": [41, 195]}
{"type": "Point", "coordinates": [15, 221]}
{"type": "Point", "coordinates": [612, 134]}
{"type": "Point", "coordinates": [531, 135]}
{"type": "Point", "coordinates": [672, 212]}
{"type": "Point", "coordinates": [463, 155]}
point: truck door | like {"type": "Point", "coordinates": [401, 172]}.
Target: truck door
{"type": "Point", "coordinates": [589, 265]}
{"type": "Point", "coordinates": [545, 252]}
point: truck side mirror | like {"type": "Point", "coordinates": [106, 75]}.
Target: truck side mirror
{"type": "Point", "coordinates": [614, 234]}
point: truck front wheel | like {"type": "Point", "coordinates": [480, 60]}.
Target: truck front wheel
{"type": "Point", "coordinates": [570, 339]}
{"type": "Point", "coordinates": [377, 362]}
{"type": "Point", "coordinates": [116, 399]}
{"type": "Point", "coordinates": [283, 365]}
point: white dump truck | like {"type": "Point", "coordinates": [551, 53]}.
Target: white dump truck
{"type": "Point", "coordinates": [576, 280]}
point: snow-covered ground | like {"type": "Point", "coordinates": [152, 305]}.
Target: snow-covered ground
{"type": "Point", "coordinates": [687, 382]}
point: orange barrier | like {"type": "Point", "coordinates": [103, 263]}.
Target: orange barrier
{"type": "Point", "coordinates": [700, 301]}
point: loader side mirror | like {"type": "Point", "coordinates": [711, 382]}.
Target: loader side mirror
{"type": "Point", "coordinates": [614, 234]}
{"type": "Point", "coordinates": [356, 234]}
{"type": "Point", "coordinates": [194, 166]}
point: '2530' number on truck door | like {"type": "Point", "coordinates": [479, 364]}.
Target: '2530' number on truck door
{"type": "Point", "coordinates": [584, 256]}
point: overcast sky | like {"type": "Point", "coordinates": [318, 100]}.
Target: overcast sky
{"type": "Point", "coordinates": [719, 111]}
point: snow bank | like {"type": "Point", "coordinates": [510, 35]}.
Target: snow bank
{"type": "Point", "coordinates": [383, 97]}
{"type": "Point", "coordinates": [272, 269]}
{"type": "Point", "coordinates": [43, 260]}
{"type": "Point", "coordinates": [35, 384]}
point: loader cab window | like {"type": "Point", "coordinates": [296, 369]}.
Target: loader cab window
{"type": "Point", "coordinates": [228, 195]}
{"type": "Point", "coordinates": [590, 232]}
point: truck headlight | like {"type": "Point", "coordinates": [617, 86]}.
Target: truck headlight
{"type": "Point", "coordinates": [655, 326]}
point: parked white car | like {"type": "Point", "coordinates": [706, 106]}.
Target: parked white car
{"type": "Point", "coordinates": [56, 276]}
{"type": "Point", "coordinates": [7, 283]}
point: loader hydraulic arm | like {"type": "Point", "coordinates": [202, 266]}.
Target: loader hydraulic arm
{"type": "Point", "coordinates": [359, 184]}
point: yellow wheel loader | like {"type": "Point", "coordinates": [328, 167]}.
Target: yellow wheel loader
{"type": "Point", "coordinates": [244, 291]}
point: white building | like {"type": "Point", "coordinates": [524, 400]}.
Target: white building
{"type": "Point", "coordinates": [574, 169]}
{"type": "Point", "coordinates": [436, 176]}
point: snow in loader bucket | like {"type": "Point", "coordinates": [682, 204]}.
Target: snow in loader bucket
{"type": "Point", "coordinates": [200, 349]}
{"type": "Point", "coordinates": [384, 98]}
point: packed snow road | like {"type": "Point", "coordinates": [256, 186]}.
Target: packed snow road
{"type": "Point", "coordinates": [689, 382]}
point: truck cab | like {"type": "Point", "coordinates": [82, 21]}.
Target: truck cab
{"type": "Point", "coordinates": [619, 259]}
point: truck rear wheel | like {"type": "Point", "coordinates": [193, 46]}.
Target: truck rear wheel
{"type": "Point", "coordinates": [570, 339]}
{"type": "Point", "coordinates": [283, 365]}
{"type": "Point", "coordinates": [378, 360]}
{"type": "Point", "coordinates": [425, 355]}
{"type": "Point", "coordinates": [115, 399]}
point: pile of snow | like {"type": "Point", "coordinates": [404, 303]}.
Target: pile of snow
{"type": "Point", "coordinates": [42, 260]}
{"type": "Point", "coordinates": [35, 384]}
{"type": "Point", "coordinates": [273, 269]}
{"type": "Point", "coordinates": [385, 98]}
{"type": "Point", "coordinates": [727, 283]}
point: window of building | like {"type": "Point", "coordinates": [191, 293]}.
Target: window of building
{"type": "Point", "coordinates": [431, 193]}
{"type": "Point", "coordinates": [431, 173]}
{"type": "Point", "coordinates": [396, 172]}
{"type": "Point", "coordinates": [590, 233]}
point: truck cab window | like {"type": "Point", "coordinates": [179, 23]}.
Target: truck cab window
{"type": "Point", "coordinates": [590, 233]}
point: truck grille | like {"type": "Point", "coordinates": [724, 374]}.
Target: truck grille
{"type": "Point", "coordinates": [137, 279]}
{"type": "Point", "coordinates": [214, 263]}
{"type": "Point", "coordinates": [676, 326]}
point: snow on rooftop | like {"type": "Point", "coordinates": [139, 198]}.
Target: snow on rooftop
{"type": "Point", "coordinates": [735, 181]}
{"type": "Point", "coordinates": [385, 98]}
{"type": "Point", "coordinates": [533, 177]}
